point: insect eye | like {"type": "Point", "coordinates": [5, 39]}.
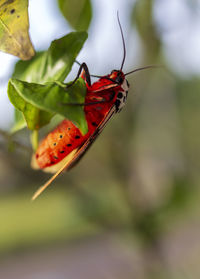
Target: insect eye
{"type": "Point", "coordinates": [119, 80]}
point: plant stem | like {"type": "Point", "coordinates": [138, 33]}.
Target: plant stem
{"type": "Point", "coordinates": [34, 140]}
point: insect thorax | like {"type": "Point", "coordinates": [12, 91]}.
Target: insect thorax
{"type": "Point", "coordinates": [122, 96]}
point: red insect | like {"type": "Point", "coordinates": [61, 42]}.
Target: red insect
{"type": "Point", "coordinates": [65, 145]}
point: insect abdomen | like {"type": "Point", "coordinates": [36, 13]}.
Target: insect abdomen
{"type": "Point", "coordinates": [58, 144]}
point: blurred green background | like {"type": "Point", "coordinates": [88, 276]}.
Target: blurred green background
{"type": "Point", "coordinates": [130, 209]}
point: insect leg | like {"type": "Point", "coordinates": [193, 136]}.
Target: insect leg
{"type": "Point", "coordinates": [85, 75]}
{"type": "Point", "coordinates": [100, 101]}
{"type": "Point", "coordinates": [86, 104]}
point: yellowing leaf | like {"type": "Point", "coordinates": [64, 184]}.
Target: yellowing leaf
{"type": "Point", "coordinates": [14, 25]}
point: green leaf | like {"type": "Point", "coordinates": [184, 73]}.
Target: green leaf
{"type": "Point", "coordinates": [53, 64]}
{"type": "Point", "coordinates": [77, 12]}
{"type": "Point", "coordinates": [22, 66]}
{"type": "Point", "coordinates": [37, 101]}
{"type": "Point", "coordinates": [14, 25]}
{"type": "Point", "coordinates": [32, 116]}
{"type": "Point", "coordinates": [50, 65]}
{"type": "Point", "coordinates": [20, 122]}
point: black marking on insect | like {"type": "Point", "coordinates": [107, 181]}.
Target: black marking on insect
{"type": "Point", "coordinates": [94, 124]}
{"type": "Point", "coordinates": [117, 104]}
{"type": "Point", "coordinates": [120, 95]}
{"type": "Point", "coordinates": [69, 144]}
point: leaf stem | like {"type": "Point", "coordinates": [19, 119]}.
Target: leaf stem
{"type": "Point", "coordinates": [34, 139]}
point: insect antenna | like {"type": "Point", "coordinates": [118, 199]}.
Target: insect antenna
{"type": "Point", "coordinates": [143, 68]}
{"type": "Point", "coordinates": [124, 47]}
{"type": "Point", "coordinates": [123, 41]}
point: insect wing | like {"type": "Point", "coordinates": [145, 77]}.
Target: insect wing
{"type": "Point", "coordinates": [105, 88]}
{"type": "Point", "coordinates": [79, 153]}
